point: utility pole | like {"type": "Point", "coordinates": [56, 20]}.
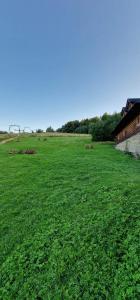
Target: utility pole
{"type": "Point", "coordinates": [15, 127]}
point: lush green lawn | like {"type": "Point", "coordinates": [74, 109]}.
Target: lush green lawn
{"type": "Point", "coordinates": [69, 221]}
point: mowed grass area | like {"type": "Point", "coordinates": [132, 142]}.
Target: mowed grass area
{"type": "Point", "coordinates": [69, 221]}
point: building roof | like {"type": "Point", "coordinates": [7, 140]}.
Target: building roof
{"type": "Point", "coordinates": [131, 114]}
{"type": "Point", "coordinates": [133, 100]}
{"type": "Point", "coordinates": [125, 109]}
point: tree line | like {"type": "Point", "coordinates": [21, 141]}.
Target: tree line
{"type": "Point", "coordinates": [99, 127]}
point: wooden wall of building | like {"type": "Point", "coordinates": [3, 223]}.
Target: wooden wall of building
{"type": "Point", "coordinates": [132, 128]}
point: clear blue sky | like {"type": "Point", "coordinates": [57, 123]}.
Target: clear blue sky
{"type": "Point", "coordinates": [62, 60]}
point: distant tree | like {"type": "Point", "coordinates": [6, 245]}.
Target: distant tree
{"type": "Point", "coordinates": [69, 127]}
{"type": "Point", "coordinates": [102, 130]}
{"type": "Point", "coordinates": [90, 128]}
{"type": "Point", "coordinates": [59, 129]}
{"type": "Point", "coordinates": [105, 117]}
{"type": "Point", "coordinates": [84, 122]}
{"type": "Point", "coordinates": [82, 129]}
{"type": "Point", "coordinates": [49, 129]}
{"type": "Point", "coordinates": [3, 132]}
{"type": "Point", "coordinates": [94, 120]}
{"type": "Point", "coordinates": [39, 131]}
{"type": "Point", "coordinates": [97, 131]}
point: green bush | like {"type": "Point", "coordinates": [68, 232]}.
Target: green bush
{"type": "Point", "coordinates": [102, 130]}
{"type": "Point", "coordinates": [50, 129]}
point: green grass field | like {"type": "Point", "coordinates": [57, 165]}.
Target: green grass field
{"type": "Point", "coordinates": [69, 221]}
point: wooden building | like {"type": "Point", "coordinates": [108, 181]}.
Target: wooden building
{"type": "Point", "coordinates": [127, 131]}
{"type": "Point", "coordinates": [130, 122]}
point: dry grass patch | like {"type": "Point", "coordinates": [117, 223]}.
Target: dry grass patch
{"type": "Point", "coordinates": [89, 146]}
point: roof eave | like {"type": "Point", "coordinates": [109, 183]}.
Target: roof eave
{"type": "Point", "coordinates": [134, 111]}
